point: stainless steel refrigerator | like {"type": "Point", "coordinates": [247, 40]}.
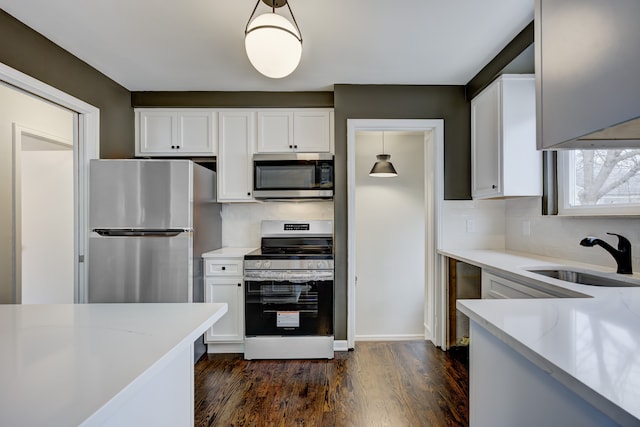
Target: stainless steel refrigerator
{"type": "Point", "coordinates": [150, 222]}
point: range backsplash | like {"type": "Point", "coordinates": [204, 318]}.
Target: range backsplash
{"type": "Point", "coordinates": [241, 221]}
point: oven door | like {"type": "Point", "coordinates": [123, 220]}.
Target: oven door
{"type": "Point", "coordinates": [283, 307]}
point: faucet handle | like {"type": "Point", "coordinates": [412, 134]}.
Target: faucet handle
{"type": "Point", "coordinates": [623, 242]}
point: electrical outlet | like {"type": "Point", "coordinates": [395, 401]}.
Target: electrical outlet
{"type": "Point", "coordinates": [471, 226]}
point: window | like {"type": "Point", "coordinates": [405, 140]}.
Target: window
{"type": "Point", "coordinates": [599, 182]}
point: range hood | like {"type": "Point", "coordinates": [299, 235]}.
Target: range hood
{"type": "Point", "coordinates": [623, 135]}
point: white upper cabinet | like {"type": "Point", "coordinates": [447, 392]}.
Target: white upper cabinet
{"type": "Point", "coordinates": [234, 162]}
{"type": "Point", "coordinates": [162, 132]}
{"type": "Point", "coordinates": [299, 130]}
{"type": "Point", "coordinates": [587, 66]}
{"type": "Point", "coordinates": [504, 160]}
{"type": "Point", "coordinates": [275, 131]}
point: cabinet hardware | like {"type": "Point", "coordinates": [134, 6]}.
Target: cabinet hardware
{"type": "Point", "coordinates": [224, 268]}
{"type": "Point", "coordinates": [239, 285]}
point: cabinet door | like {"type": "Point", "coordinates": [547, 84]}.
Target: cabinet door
{"type": "Point", "coordinates": [587, 68]}
{"type": "Point", "coordinates": [231, 326]}
{"type": "Point", "coordinates": [158, 132]}
{"type": "Point", "coordinates": [275, 131]}
{"type": "Point", "coordinates": [197, 133]}
{"type": "Point", "coordinates": [236, 139]}
{"type": "Point", "coordinates": [312, 131]}
{"type": "Point", "coordinates": [486, 142]}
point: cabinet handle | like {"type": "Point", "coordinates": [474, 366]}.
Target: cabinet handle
{"type": "Point", "coordinates": [248, 194]}
{"type": "Point", "coordinates": [224, 268]}
{"type": "Point", "coordinates": [493, 186]}
{"type": "Point", "coordinates": [239, 285]}
{"type": "Point", "coordinates": [291, 146]}
{"type": "Point", "coordinates": [178, 147]}
{"type": "Point", "coordinates": [295, 146]}
{"type": "Point", "coordinates": [173, 146]}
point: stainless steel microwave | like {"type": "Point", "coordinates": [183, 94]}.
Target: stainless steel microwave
{"type": "Point", "coordinates": [293, 176]}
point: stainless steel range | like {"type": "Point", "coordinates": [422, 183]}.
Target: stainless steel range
{"type": "Point", "coordinates": [289, 292]}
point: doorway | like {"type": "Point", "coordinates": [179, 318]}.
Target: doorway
{"type": "Point", "coordinates": [432, 132]}
{"type": "Point", "coordinates": [85, 130]}
{"type": "Point", "coordinates": [44, 216]}
{"type": "Point", "coordinates": [390, 244]}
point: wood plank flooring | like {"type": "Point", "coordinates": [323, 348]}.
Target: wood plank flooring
{"type": "Point", "coordinates": [407, 383]}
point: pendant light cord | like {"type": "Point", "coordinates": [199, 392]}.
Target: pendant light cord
{"type": "Point", "coordinates": [382, 142]}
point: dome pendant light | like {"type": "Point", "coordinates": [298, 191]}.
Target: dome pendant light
{"type": "Point", "coordinates": [383, 168]}
{"type": "Point", "coordinates": [273, 44]}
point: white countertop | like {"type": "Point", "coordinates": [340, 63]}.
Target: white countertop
{"type": "Point", "coordinates": [590, 344]}
{"type": "Point", "coordinates": [62, 364]}
{"type": "Point", "coordinates": [228, 252]}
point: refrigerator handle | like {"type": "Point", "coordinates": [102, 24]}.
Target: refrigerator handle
{"type": "Point", "coordinates": [139, 233]}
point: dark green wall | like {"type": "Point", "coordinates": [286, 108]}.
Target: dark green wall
{"type": "Point", "coordinates": [27, 51]}
{"type": "Point", "coordinates": [396, 102]}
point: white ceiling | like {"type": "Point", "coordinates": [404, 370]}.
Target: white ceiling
{"type": "Point", "coordinates": [199, 44]}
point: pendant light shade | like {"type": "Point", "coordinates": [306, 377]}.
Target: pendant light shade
{"type": "Point", "coordinates": [273, 43]}
{"type": "Point", "coordinates": [383, 168]}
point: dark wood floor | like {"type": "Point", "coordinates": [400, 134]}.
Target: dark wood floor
{"type": "Point", "coordinates": [409, 383]}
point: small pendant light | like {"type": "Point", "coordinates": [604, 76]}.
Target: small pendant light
{"type": "Point", "coordinates": [383, 168]}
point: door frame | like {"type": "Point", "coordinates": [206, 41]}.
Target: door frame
{"type": "Point", "coordinates": [435, 292]}
{"type": "Point", "coordinates": [86, 140]}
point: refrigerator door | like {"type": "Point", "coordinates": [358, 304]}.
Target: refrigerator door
{"type": "Point", "coordinates": [149, 267]}
{"type": "Point", "coordinates": [141, 194]}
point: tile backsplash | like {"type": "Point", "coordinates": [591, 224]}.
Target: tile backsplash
{"type": "Point", "coordinates": [526, 230]}
{"type": "Point", "coordinates": [472, 224]}
{"type": "Point", "coordinates": [241, 221]}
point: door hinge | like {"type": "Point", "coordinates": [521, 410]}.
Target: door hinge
{"type": "Point", "coordinates": [80, 258]}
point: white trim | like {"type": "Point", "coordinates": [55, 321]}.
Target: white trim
{"type": "Point", "coordinates": [435, 308]}
{"type": "Point", "coordinates": [88, 145]}
{"type": "Point", "coordinates": [340, 345]}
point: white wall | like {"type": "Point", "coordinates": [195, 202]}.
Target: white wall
{"type": "Point", "coordinates": [33, 113]}
{"type": "Point", "coordinates": [241, 221]}
{"type": "Point", "coordinates": [560, 236]}
{"type": "Point", "coordinates": [390, 244]}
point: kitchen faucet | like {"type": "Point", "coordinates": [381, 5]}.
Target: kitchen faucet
{"type": "Point", "coordinates": [622, 255]}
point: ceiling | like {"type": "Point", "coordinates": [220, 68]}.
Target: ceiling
{"type": "Point", "coordinates": [150, 45]}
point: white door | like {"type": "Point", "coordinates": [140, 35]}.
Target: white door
{"type": "Point", "coordinates": [390, 242]}
{"type": "Point", "coordinates": [45, 203]}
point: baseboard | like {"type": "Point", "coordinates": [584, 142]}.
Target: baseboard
{"type": "Point", "coordinates": [340, 345]}
{"type": "Point", "coordinates": [389, 337]}
{"type": "Point", "coordinates": [427, 333]}
{"type": "Point", "coordinates": [225, 348]}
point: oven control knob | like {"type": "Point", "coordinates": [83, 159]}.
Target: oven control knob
{"type": "Point", "coordinates": [310, 264]}
{"type": "Point", "coordinates": [267, 264]}
{"type": "Point", "coordinates": [320, 264]}
{"type": "Point", "coordinates": [258, 264]}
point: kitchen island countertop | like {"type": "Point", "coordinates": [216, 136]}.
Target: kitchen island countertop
{"type": "Point", "coordinates": [591, 344]}
{"type": "Point", "coordinates": [79, 364]}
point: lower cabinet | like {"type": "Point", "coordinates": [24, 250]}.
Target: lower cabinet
{"type": "Point", "coordinates": [223, 282]}
{"type": "Point", "coordinates": [230, 328]}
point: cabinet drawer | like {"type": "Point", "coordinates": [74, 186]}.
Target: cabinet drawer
{"type": "Point", "coordinates": [223, 267]}
{"type": "Point", "coordinates": [498, 287]}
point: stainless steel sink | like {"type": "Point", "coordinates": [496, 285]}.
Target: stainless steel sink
{"type": "Point", "coordinates": [584, 278]}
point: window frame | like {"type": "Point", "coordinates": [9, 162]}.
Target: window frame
{"type": "Point", "coordinates": [566, 189]}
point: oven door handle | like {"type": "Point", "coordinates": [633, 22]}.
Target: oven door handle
{"type": "Point", "coordinates": [288, 276]}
